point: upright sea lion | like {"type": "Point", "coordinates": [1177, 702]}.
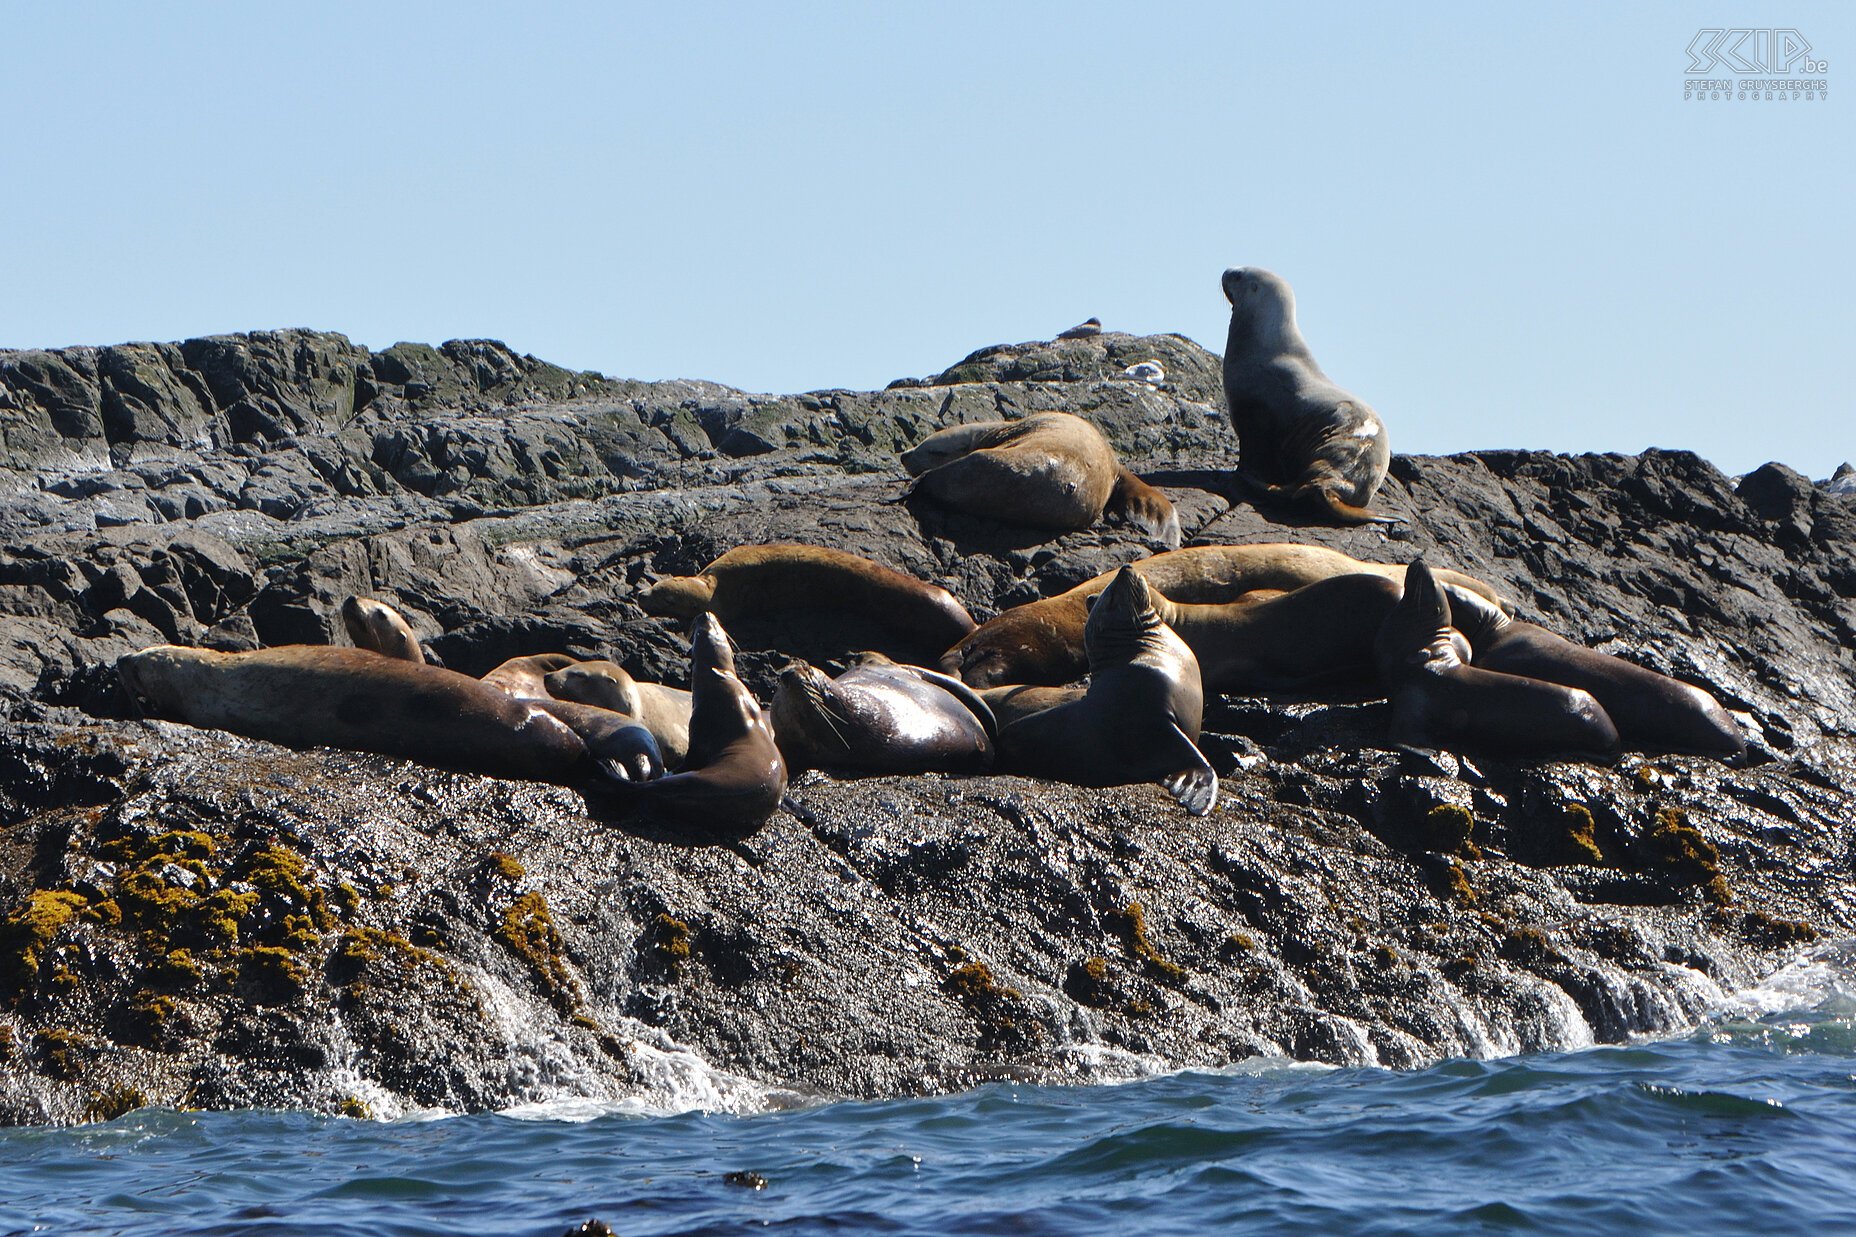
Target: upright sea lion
{"type": "Point", "coordinates": [880, 717]}
{"type": "Point", "coordinates": [1299, 436]}
{"type": "Point", "coordinates": [1041, 643]}
{"type": "Point", "coordinates": [1440, 700]}
{"type": "Point", "coordinates": [1048, 470]}
{"type": "Point", "coordinates": [664, 711]}
{"type": "Point", "coordinates": [1139, 720]}
{"type": "Point", "coordinates": [378, 627]}
{"type": "Point", "coordinates": [316, 695]}
{"type": "Point", "coordinates": [750, 581]}
{"type": "Point", "coordinates": [734, 776]}
{"type": "Point", "coordinates": [1652, 711]}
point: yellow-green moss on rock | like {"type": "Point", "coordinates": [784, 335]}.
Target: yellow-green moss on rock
{"type": "Point", "coordinates": [527, 930]}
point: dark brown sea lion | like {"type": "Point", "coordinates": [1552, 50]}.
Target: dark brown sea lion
{"type": "Point", "coordinates": [1139, 720]}
{"type": "Point", "coordinates": [1048, 470]}
{"type": "Point", "coordinates": [315, 695]}
{"type": "Point", "coordinates": [1652, 711]}
{"type": "Point", "coordinates": [1320, 635]}
{"type": "Point", "coordinates": [734, 776]}
{"type": "Point", "coordinates": [750, 581]}
{"type": "Point", "coordinates": [1439, 700]}
{"type": "Point", "coordinates": [1041, 643]}
{"type": "Point", "coordinates": [881, 717]}
{"type": "Point", "coordinates": [1300, 437]}
{"type": "Point", "coordinates": [1013, 701]}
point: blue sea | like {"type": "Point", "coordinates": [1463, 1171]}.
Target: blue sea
{"type": "Point", "coordinates": [1747, 1124]}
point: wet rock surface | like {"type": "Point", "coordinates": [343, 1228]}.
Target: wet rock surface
{"type": "Point", "coordinates": [192, 918]}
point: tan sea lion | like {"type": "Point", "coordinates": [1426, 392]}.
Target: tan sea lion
{"type": "Point", "coordinates": [1300, 437]}
{"type": "Point", "coordinates": [1439, 700]}
{"type": "Point", "coordinates": [881, 717]}
{"type": "Point", "coordinates": [1041, 643]}
{"type": "Point", "coordinates": [1139, 720]}
{"type": "Point", "coordinates": [526, 678]}
{"type": "Point", "coordinates": [1048, 470]}
{"type": "Point", "coordinates": [378, 627]}
{"type": "Point", "coordinates": [316, 695]}
{"type": "Point", "coordinates": [734, 776]}
{"type": "Point", "coordinates": [664, 711]}
{"type": "Point", "coordinates": [750, 581]}
{"type": "Point", "coordinates": [1652, 711]}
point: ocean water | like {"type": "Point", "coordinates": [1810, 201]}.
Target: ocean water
{"type": "Point", "coordinates": [1746, 1125]}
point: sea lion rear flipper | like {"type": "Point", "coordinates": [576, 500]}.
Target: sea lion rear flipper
{"type": "Point", "coordinates": [961, 692]}
{"type": "Point", "coordinates": [1196, 785]}
{"type": "Point", "coordinates": [1346, 512]}
{"type": "Point", "coordinates": [1145, 507]}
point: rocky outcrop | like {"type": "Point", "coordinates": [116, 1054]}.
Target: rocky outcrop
{"type": "Point", "coordinates": [188, 917]}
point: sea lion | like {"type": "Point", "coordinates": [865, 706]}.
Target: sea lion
{"type": "Point", "coordinates": [1652, 711]}
{"type": "Point", "coordinates": [881, 717]}
{"type": "Point", "coordinates": [526, 678]}
{"type": "Point", "coordinates": [1299, 436]}
{"type": "Point", "coordinates": [1440, 700]}
{"type": "Point", "coordinates": [750, 581]}
{"type": "Point", "coordinates": [1041, 642]}
{"type": "Point", "coordinates": [1320, 635]}
{"type": "Point", "coordinates": [1048, 470]}
{"type": "Point", "coordinates": [1139, 720]}
{"type": "Point", "coordinates": [664, 711]}
{"type": "Point", "coordinates": [1013, 701]}
{"type": "Point", "coordinates": [379, 628]}
{"type": "Point", "coordinates": [1088, 328]}
{"type": "Point", "coordinates": [316, 695]}
{"type": "Point", "coordinates": [734, 776]}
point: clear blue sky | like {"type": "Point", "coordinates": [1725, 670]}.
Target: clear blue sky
{"type": "Point", "coordinates": [1505, 226]}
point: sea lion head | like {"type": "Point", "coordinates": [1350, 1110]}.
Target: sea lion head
{"type": "Point", "coordinates": [1120, 617]}
{"type": "Point", "coordinates": [159, 680]}
{"type": "Point", "coordinates": [1419, 631]}
{"type": "Point", "coordinates": [378, 627]}
{"type": "Point", "coordinates": [711, 651]}
{"type": "Point", "coordinates": [804, 716]}
{"type": "Point", "coordinates": [1262, 311]}
{"type": "Point", "coordinates": [678, 596]}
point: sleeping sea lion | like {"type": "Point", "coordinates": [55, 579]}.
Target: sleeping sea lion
{"type": "Point", "coordinates": [881, 717]}
{"type": "Point", "coordinates": [1300, 437]}
{"type": "Point", "coordinates": [664, 711]}
{"type": "Point", "coordinates": [1652, 711]}
{"type": "Point", "coordinates": [1041, 643]}
{"type": "Point", "coordinates": [1048, 470]}
{"type": "Point", "coordinates": [317, 695]}
{"type": "Point", "coordinates": [1139, 720]}
{"type": "Point", "coordinates": [751, 581]}
{"type": "Point", "coordinates": [1439, 700]}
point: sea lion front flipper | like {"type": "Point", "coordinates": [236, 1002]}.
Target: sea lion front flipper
{"type": "Point", "coordinates": [1196, 785]}
{"type": "Point", "coordinates": [961, 692]}
{"type": "Point", "coordinates": [1145, 507]}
